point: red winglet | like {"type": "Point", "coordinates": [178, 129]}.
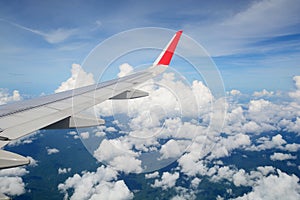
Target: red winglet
{"type": "Point", "coordinates": [166, 56]}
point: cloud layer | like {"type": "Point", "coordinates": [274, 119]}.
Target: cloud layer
{"type": "Point", "coordinates": [196, 144]}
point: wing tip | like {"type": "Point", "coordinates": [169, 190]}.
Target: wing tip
{"type": "Point", "coordinates": [167, 54]}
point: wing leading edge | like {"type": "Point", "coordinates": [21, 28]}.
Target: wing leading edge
{"type": "Point", "coordinates": [57, 110]}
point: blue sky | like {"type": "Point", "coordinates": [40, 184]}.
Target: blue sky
{"type": "Point", "coordinates": [255, 44]}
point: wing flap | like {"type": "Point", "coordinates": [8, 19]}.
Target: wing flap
{"type": "Point", "coordinates": [9, 159]}
{"type": "Point", "coordinates": [130, 94]}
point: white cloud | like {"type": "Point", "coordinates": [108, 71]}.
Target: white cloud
{"type": "Point", "coordinates": [113, 191]}
{"type": "Point", "coordinates": [147, 117]}
{"type": "Point", "coordinates": [12, 185]}
{"type": "Point", "coordinates": [110, 129]}
{"type": "Point", "coordinates": [63, 170]}
{"type": "Point", "coordinates": [292, 147]}
{"type": "Point", "coordinates": [173, 148]}
{"type": "Point", "coordinates": [125, 69]}
{"type": "Point", "coordinates": [79, 78]}
{"type": "Point", "coordinates": [118, 155]}
{"type": "Point", "coordinates": [223, 147]}
{"type": "Point", "coordinates": [266, 170]}
{"type": "Point", "coordinates": [263, 112]}
{"type": "Point", "coordinates": [286, 187]}
{"type": "Point", "coordinates": [152, 175]}
{"type": "Point", "coordinates": [240, 178]}
{"type": "Point", "coordinates": [5, 97]}
{"type": "Point", "coordinates": [85, 135]}
{"type": "Point", "coordinates": [72, 133]}
{"type": "Point", "coordinates": [296, 94]}
{"type": "Point", "coordinates": [223, 173]}
{"type": "Point", "coordinates": [235, 92]}
{"type": "Point", "coordinates": [257, 116]}
{"type": "Point", "coordinates": [33, 162]}
{"type": "Point", "coordinates": [11, 182]}
{"type": "Point", "coordinates": [168, 180]}
{"type": "Point", "coordinates": [100, 134]}
{"type": "Point", "coordinates": [16, 171]}
{"type": "Point", "coordinates": [168, 98]}
{"type": "Point", "coordinates": [292, 126]}
{"type": "Point", "coordinates": [52, 151]}
{"type": "Point", "coordinates": [231, 34]}
{"type": "Point", "coordinates": [52, 36]}
{"type": "Point", "coordinates": [263, 93]}
{"type": "Point", "coordinates": [251, 127]}
{"type": "Point", "coordinates": [276, 142]}
{"type": "Point", "coordinates": [126, 164]}
{"type": "Point", "coordinates": [282, 156]}
{"type": "Point", "coordinates": [58, 35]}
{"type": "Point", "coordinates": [102, 184]}
{"type": "Point", "coordinates": [260, 13]}
{"type": "Point", "coordinates": [184, 194]}
{"type": "Point", "coordinates": [195, 182]}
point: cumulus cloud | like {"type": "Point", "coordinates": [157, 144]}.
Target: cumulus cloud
{"type": "Point", "coordinates": [85, 135]}
{"type": "Point", "coordinates": [269, 143]}
{"type": "Point", "coordinates": [241, 177]}
{"type": "Point", "coordinates": [6, 97]}
{"type": "Point", "coordinates": [16, 171]}
{"type": "Point", "coordinates": [173, 148]}
{"type": "Point", "coordinates": [263, 93]}
{"type": "Point", "coordinates": [296, 94]}
{"type": "Point", "coordinates": [235, 92]}
{"type": "Point", "coordinates": [63, 170]}
{"type": "Point", "coordinates": [118, 155]}
{"type": "Point", "coordinates": [152, 175]}
{"type": "Point", "coordinates": [102, 184]}
{"type": "Point", "coordinates": [169, 96]}
{"type": "Point", "coordinates": [227, 145]}
{"type": "Point", "coordinates": [125, 69]}
{"type": "Point", "coordinates": [282, 156]}
{"type": "Point", "coordinates": [184, 194]}
{"type": "Point", "coordinates": [33, 162]}
{"type": "Point", "coordinates": [110, 129]}
{"type": "Point", "coordinates": [11, 182]}
{"type": "Point", "coordinates": [74, 134]}
{"type": "Point", "coordinates": [168, 180]}
{"type": "Point", "coordinates": [292, 147]}
{"type": "Point", "coordinates": [195, 182]}
{"type": "Point", "coordinates": [52, 151]}
{"type": "Point", "coordinates": [243, 123]}
{"type": "Point", "coordinates": [263, 112]}
{"type": "Point", "coordinates": [79, 78]}
{"type": "Point", "coordinates": [12, 186]}
{"type": "Point", "coordinates": [287, 187]}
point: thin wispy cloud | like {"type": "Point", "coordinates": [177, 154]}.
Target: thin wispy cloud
{"type": "Point", "coordinates": [52, 37]}
{"type": "Point", "coordinates": [235, 33]}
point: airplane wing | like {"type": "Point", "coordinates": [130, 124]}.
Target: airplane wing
{"type": "Point", "coordinates": [58, 110]}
